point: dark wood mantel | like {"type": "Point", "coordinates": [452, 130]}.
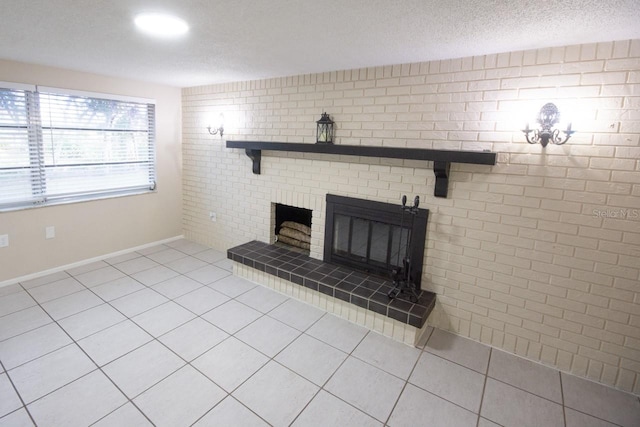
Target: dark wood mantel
{"type": "Point", "coordinates": [442, 159]}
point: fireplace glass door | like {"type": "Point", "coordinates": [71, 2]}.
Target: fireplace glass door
{"type": "Point", "coordinates": [373, 237]}
{"type": "Point", "coordinates": [368, 242]}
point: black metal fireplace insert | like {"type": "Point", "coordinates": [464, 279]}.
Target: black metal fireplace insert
{"type": "Point", "coordinates": [371, 236]}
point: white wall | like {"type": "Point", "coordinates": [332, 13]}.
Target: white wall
{"type": "Point", "coordinates": [89, 229]}
{"type": "Point", "coordinates": [527, 255]}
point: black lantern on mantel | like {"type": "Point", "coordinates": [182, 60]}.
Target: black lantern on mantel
{"type": "Point", "coordinates": [324, 133]}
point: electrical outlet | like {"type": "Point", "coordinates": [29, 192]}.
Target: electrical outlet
{"type": "Point", "coordinates": [213, 216]}
{"type": "Point", "coordinates": [50, 232]}
{"type": "Point", "coordinates": [4, 240]}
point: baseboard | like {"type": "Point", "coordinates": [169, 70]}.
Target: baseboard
{"type": "Point", "coordinates": [85, 261]}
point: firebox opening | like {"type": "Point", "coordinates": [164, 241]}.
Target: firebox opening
{"type": "Point", "coordinates": [293, 227]}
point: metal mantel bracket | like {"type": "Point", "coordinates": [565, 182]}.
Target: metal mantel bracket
{"type": "Point", "coordinates": [441, 170]}
{"type": "Point", "coordinates": [255, 156]}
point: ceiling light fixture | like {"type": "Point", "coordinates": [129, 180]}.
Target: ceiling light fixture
{"type": "Point", "coordinates": [161, 25]}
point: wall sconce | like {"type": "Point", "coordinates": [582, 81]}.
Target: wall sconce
{"type": "Point", "coordinates": [324, 133]}
{"type": "Point", "coordinates": [218, 128]}
{"type": "Point", "coordinates": [545, 133]}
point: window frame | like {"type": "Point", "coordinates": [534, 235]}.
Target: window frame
{"type": "Point", "coordinates": [38, 169]}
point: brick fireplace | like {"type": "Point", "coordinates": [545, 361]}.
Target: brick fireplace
{"type": "Point", "coordinates": [362, 241]}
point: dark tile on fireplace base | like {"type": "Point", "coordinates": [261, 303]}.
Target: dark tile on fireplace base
{"type": "Point", "coordinates": [354, 279]}
{"type": "Point", "coordinates": [418, 310]}
{"type": "Point", "coordinates": [385, 289]}
{"type": "Point", "coordinates": [311, 284]}
{"type": "Point", "coordinates": [360, 289]}
{"type": "Point", "coordinates": [242, 251]}
{"type": "Point", "coordinates": [360, 301]}
{"type": "Point", "coordinates": [342, 295]}
{"type": "Point", "coordinates": [315, 275]}
{"type": "Point", "coordinates": [363, 292]}
{"type": "Point", "coordinates": [307, 266]}
{"type": "Point", "coordinates": [378, 308]}
{"type": "Point", "coordinates": [325, 269]}
{"type": "Point", "coordinates": [288, 267]}
{"type": "Point", "coordinates": [301, 271]}
{"type": "Point", "coordinates": [297, 262]}
{"type": "Point", "coordinates": [338, 274]}
{"type": "Point", "coordinates": [401, 316]}
{"type": "Point", "coordinates": [380, 298]}
{"type": "Point", "coordinates": [346, 287]}
{"type": "Point", "coordinates": [327, 290]}
{"type": "Point", "coordinates": [370, 284]}
{"type": "Point", "coordinates": [414, 320]}
{"type": "Point", "coordinates": [360, 276]}
{"type": "Point", "coordinates": [277, 263]}
{"type": "Point", "coordinates": [284, 275]}
{"type": "Point", "coordinates": [271, 270]}
{"type": "Point", "coordinates": [402, 305]}
{"type": "Point", "coordinates": [331, 281]}
{"type": "Point", "coordinates": [311, 263]}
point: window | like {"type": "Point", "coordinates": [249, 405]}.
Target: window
{"type": "Point", "coordinates": [58, 146]}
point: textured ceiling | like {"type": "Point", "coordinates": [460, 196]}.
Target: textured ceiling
{"type": "Point", "coordinates": [233, 40]}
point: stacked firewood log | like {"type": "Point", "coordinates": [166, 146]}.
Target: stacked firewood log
{"type": "Point", "coordinates": [295, 234]}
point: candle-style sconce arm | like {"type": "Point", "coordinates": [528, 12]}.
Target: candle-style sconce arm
{"type": "Point", "coordinates": [546, 133]}
{"type": "Point", "coordinates": [219, 130]}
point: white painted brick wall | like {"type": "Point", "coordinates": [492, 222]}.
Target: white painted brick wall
{"type": "Point", "coordinates": [537, 255]}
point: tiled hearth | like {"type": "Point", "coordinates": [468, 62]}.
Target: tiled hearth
{"type": "Point", "coordinates": [363, 291]}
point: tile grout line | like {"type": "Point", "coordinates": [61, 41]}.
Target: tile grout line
{"type": "Point", "coordinates": [130, 400]}
{"type": "Point", "coordinates": [437, 395]}
{"type": "Point", "coordinates": [484, 387]}
{"type": "Point", "coordinates": [73, 341]}
{"type": "Point", "coordinates": [406, 382]}
{"type": "Point", "coordinates": [284, 348]}
{"type": "Point", "coordinates": [189, 363]}
{"type": "Point", "coordinates": [24, 405]}
{"type": "Point", "coordinates": [98, 368]}
{"type": "Point", "coordinates": [274, 356]}
{"type": "Point", "coordinates": [564, 410]}
{"type": "Point", "coordinates": [498, 379]}
{"type": "Point", "coordinates": [154, 339]}
{"type": "Point", "coordinates": [322, 387]}
{"type": "Point", "coordinates": [230, 394]}
{"type": "Point", "coordinates": [524, 390]}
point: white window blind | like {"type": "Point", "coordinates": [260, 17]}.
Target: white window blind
{"type": "Point", "coordinates": [58, 146]}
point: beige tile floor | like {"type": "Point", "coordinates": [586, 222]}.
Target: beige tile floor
{"type": "Point", "coordinates": [168, 336]}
